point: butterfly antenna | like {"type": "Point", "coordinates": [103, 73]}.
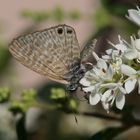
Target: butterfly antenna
{"type": "Point", "coordinates": [74, 114]}
{"type": "Point", "coordinates": [76, 120]}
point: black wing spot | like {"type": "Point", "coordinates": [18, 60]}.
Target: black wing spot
{"type": "Point", "coordinates": [69, 31]}
{"type": "Point", "coordinates": [60, 30]}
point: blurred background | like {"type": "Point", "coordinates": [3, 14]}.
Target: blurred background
{"type": "Point", "coordinates": [35, 108]}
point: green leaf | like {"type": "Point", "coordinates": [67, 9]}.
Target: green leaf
{"type": "Point", "coordinates": [27, 100]}
{"type": "Point", "coordinates": [58, 14]}
{"type": "Point", "coordinates": [57, 93]}
{"type": "Point", "coordinates": [118, 7]}
{"type": "Point", "coordinates": [4, 94]}
{"type": "Point", "coordinates": [75, 15]}
{"type": "Point", "coordinates": [102, 18]}
{"type": "Point", "coordinates": [37, 16]}
{"type": "Point", "coordinates": [4, 56]}
{"type": "Point", "coordinates": [29, 95]}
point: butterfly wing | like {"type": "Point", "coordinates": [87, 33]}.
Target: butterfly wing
{"type": "Point", "coordinates": [87, 50]}
{"type": "Point", "coordinates": [49, 52]}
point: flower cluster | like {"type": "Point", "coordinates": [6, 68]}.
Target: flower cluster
{"type": "Point", "coordinates": [116, 73]}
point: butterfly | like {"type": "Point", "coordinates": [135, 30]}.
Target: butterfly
{"type": "Point", "coordinates": [53, 52]}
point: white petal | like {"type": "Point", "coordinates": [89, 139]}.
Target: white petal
{"type": "Point", "coordinates": [105, 105]}
{"type": "Point", "coordinates": [110, 72]}
{"type": "Point", "coordinates": [107, 96]}
{"type": "Point", "coordinates": [102, 64]}
{"type": "Point", "coordinates": [127, 70]}
{"type": "Point", "coordinates": [84, 82]}
{"type": "Point", "coordinates": [130, 54]}
{"type": "Point", "coordinates": [122, 89]}
{"type": "Point", "coordinates": [105, 57]}
{"type": "Point", "coordinates": [139, 85]}
{"type": "Point", "coordinates": [132, 42]}
{"type": "Point", "coordinates": [89, 89]}
{"type": "Point", "coordinates": [109, 85]}
{"type": "Point", "coordinates": [94, 98]}
{"type": "Point", "coordinates": [120, 101]}
{"type": "Point", "coordinates": [137, 44]}
{"type": "Point", "coordinates": [134, 16]}
{"type": "Point", "coordinates": [130, 85]}
{"type": "Point", "coordinates": [121, 47]}
{"type": "Point", "coordinates": [97, 72]}
{"type": "Point", "coordinates": [109, 51]}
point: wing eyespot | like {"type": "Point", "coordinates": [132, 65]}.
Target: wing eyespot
{"type": "Point", "coordinates": [69, 31]}
{"type": "Point", "coordinates": [60, 31]}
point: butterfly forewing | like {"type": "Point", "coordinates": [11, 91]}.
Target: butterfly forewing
{"type": "Point", "coordinates": [50, 52]}
{"type": "Point", "coordinates": [29, 56]}
{"type": "Point", "coordinates": [87, 50]}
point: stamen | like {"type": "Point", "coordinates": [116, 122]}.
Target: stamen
{"type": "Point", "coordinates": [104, 70]}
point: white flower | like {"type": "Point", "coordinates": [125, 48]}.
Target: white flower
{"type": "Point", "coordinates": [134, 15]}
{"type": "Point", "coordinates": [98, 75]}
{"type": "Point", "coordinates": [133, 78]}
{"type": "Point", "coordinates": [114, 75]}
{"type": "Point", "coordinates": [115, 56]}
{"type": "Point", "coordinates": [133, 51]}
{"type": "Point", "coordinates": [95, 96]}
{"type": "Point", "coordinates": [91, 83]}
{"type": "Point", "coordinates": [102, 86]}
{"type": "Point", "coordinates": [102, 69]}
{"type": "Point", "coordinates": [121, 46]}
{"type": "Point", "coordinates": [115, 93]}
{"type": "Point", "coordinates": [94, 78]}
{"type": "Point", "coordinates": [125, 51]}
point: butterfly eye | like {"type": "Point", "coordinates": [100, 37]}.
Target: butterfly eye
{"type": "Point", "coordinates": [60, 30]}
{"type": "Point", "coordinates": [69, 31]}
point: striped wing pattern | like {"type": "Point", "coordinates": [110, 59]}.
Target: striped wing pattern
{"type": "Point", "coordinates": [50, 52]}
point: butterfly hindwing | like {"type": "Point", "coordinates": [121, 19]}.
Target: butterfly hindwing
{"type": "Point", "coordinates": [49, 52]}
{"type": "Point", "coordinates": [23, 50]}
